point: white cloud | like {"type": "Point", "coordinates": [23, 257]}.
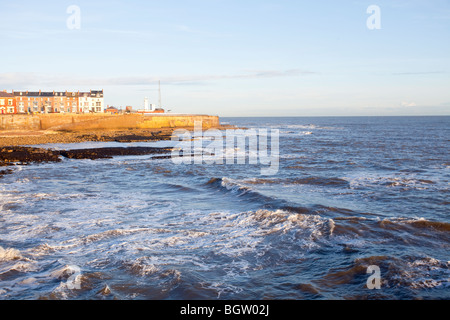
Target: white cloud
{"type": "Point", "coordinates": [409, 104]}
{"type": "Point", "coordinates": [27, 79]}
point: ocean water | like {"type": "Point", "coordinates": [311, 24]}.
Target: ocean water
{"type": "Point", "coordinates": [350, 193]}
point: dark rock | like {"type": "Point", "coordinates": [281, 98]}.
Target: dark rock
{"type": "Point", "coordinates": [105, 153]}
{"type": "Point", "coordinates": [26, 155]}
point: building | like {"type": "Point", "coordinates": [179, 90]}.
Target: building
{"type": "Point", "coordinates": [96, 101]}
{"type": "Point", "coordinates": [112, 110]}
{"type": "Point", "coordinates": [41, 102]}
{"type": "Point", "coordinates": [83, 102]}
{"type": "Point", "coordinates": [60, 103]}
{"type": "Point", "coordinates": [91, 101]}
{"type": "Point", "coordinates": [56, 102]}
{"type": "Point", "coordinates": [71, 102]}
{"type": "Point", "coordinates": [7, 103]}
{"type": "Point", "coordinates": [150, 108]}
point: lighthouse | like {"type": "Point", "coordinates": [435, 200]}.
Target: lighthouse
{"type": "Point", "coordinates": [146, 104]}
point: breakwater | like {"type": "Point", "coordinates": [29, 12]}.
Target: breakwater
{"type": "Point", "coordinates": [80, 122]}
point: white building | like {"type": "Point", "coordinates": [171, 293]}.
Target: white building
{"type": "Point", "coordinates": [91, 101]}
{"type": "Point", "coordinates": [146, 104]}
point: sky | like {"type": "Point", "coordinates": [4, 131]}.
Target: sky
{"type": "Point", "coordinates": [235, 57]}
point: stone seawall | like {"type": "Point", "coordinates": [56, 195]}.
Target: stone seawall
{"type": "Point", "coordinates": [80, 122]}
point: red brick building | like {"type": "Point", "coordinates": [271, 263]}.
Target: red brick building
{"type": "Point", "coordinates": [112, 110]}
{"type": "Point", "coordinates": [7, 103]}
{"type": "Point", "coordinates": [57, 102]}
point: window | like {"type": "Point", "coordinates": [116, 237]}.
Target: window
{"type": "Point", "coordinates": [2, 101]}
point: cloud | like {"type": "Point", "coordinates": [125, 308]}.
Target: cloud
{"type": "Point", "coordinates": [416, 73]}
{"type": "Point", "coordinates": [208, 33]}
{"type": "Point", "coordinates": [26, 79]}
{"type": "Point", "coordinates": [409, 104]}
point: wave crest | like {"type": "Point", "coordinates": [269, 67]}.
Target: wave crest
{"type": "Point", "coordinates": [9, 254]}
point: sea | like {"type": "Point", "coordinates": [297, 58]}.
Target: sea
{"type": "Point", "coordinates": [358, 208]}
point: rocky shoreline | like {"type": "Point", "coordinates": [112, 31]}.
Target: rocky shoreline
{"type": "Point", "coordinates": [108, 153]}
{"type": "Point", "coordinates": [10, 156]}
{"type": "Point", "coordinates": [26, 138]}
{"type": "Point", "coordinates": [15, 145]}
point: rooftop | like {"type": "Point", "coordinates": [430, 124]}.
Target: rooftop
{"type": "Point", "coordinates": [6, 95]}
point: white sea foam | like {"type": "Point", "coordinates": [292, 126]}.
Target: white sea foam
{"type": "Point", "coordinates": [9, 254]}
{"type": "Point", "coordinates": [245, 232]}
{"type": "Point", "coordinates": [22, 267]}
{"type": "Point", "coordinates": [13, 260]}
{"type": "Point", "coordinates": [395, 182]}
{"type": "Point", "coordinates": [222, 288]}
{"type": "Point", "coordinates": [426, 273]}
{"type": "Point", "coordinates": [64, 272]}
{"type": "Point", "coordinates": [233, 185]}
{"type": "Point", "coordinates": [142, 266]}
{"type": "Point", "coordinates": [113, 233]}
{"type": "Point", "coordinates": [311, 127]}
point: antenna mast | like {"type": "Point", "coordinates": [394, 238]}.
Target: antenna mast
{"type": "Point", "coordinates": [159, 93]}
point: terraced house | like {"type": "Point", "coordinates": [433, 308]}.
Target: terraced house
{"type": "Point", "coordinates": [91, 101]}
{"type": "Point", "coordinates": [7, 103]}
{"type": "Point", "coordinates": [52, 102]}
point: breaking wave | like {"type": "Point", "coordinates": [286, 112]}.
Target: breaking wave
{"type": "Point", "coordinates": [418, 223]}
{"type": "Point", "coordinates": [9, 254]}
{"type": "Point", "coordinates": [240, 190]}
{"type": "Point", "coordinates": [397, 273]}
{"type": "Point", "coordinates": [399, 183]}
{"type": "Point", "coordinates": [319, 181]}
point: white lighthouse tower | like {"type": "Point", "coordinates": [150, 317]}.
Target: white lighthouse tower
{"type": "Point", "coordinates": [146, 106]}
